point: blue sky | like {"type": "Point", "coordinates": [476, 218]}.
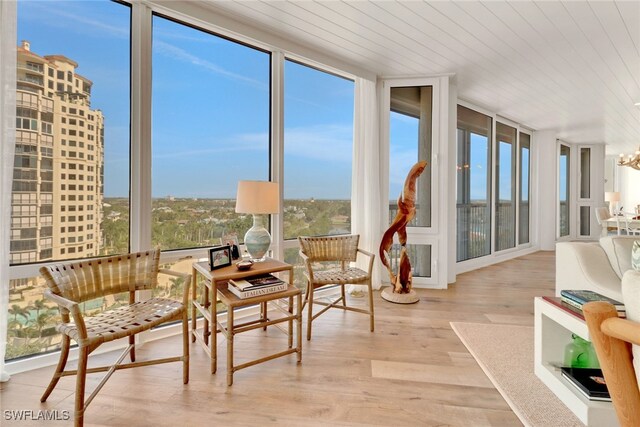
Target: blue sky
{"type": "Point", "coordinates": [210, 104]}
{"type": "Point", "coordinates": [96, 36]}
{"type": "Point", "coordinates": [478, 167]}
{"type": "Point", "coordinates": [403, 150]}
{"type": "Point", "coordinates": [563, 183]}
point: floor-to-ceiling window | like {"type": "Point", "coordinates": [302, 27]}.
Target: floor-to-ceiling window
{"type": "Point", "coordinates": [210, 129]}
{"type": "Point", "coordinates": [564, 191]}
{"type": "Point", "coordinates": [585, 192]}
{"type": "Point", "coordinates": [318, 151]}
{"type": "Point", "coordinates": [210, 105]}
{"type": "Point", "coordinates": [524, 187]}
{"type": "Point", "coordinates": [70, 195]}
{"type": "Point", "coordinates": [473, 198]}
{"type": "Point", "coordinates": [493, 187]}
{"type": "Point", "coordinates": [505, 186]}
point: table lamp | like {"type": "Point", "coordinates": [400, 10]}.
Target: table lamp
{"type": "Point", "coordinates": [613, 197]}
{"type": "Point", "coordinates": [258, 198]}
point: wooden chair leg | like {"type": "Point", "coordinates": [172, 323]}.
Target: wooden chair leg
{"type": "Point", "coordinates": [310, 316]}
{"type": "Point", "coordinates": [81, 379]}
{"type": "Point", "coordinates": [306, 294]}
{"type": "Point", "coordinates": [194, 297]}
{"type": "Point", "coordinates": [132, 353]}
{"type": "Point", "coordinates": [62, 362]}
{"type": "Point", "coordinates": [370, 305]}
{"type": "Point", "coordinates": [344, 298]}
{"type": "Point", "coordinates": [263, 313]}
{"type": "Point", "coordinates": [185, 347]}
{"type": "Point", "coordinates": [230, 336]}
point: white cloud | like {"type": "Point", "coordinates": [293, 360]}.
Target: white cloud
{"type": "Point", "coordinates": [184, 56]}
{"type": "Point", "coordinates": [322, 142]}
{"type": "Point", "coordinates": [235, 143]}
{"type": "Point", "coordinates": [330, 142]}
{"type": "Point", "coordinates": [62, 10]}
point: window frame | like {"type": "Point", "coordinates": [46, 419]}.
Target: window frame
{"type": "Point", "coordinates": [140, 150]}
{"type": "Point", "coordinates": [474, 263]}
{"type": "Point", "coordinates": [293, 242]}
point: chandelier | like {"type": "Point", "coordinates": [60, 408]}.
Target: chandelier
{"type": "Point", "coordinates": [632, 160]}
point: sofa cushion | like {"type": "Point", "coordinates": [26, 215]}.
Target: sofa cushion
{"type": "Point", "coordinates": [631, 298]}
{"type": "Point", "coordinates": [635, 255]}
{"type": "Point", "coordinates": [618, 250]}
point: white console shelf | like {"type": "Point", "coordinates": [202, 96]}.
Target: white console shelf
{"type": "Point", "coordinates": [553, 329]}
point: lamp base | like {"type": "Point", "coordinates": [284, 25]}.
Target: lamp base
{"type": "Point", "coordinates": [257, 240]}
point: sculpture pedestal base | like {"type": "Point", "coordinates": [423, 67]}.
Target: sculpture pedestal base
{"type": "Point", "coordinates": [410, 298]}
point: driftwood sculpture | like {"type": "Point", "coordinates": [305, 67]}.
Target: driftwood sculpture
{"type": "Point", "coordinates": [400, 290]}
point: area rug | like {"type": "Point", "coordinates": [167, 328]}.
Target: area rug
{"type": "Point", "coordinates": [505, 354]}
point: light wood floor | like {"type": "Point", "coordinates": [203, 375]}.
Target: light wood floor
{"type": "Point", "coordinates": [412, 370]}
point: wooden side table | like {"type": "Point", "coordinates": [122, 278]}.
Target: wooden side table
{"type": "Point", "coordinates": [215, 286]}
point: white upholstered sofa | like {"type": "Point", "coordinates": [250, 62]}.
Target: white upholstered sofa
{"type": "Point", "coordinates": [598, 266]}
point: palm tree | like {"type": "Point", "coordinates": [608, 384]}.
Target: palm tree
{"type": "Point", "coordinates": [38, 305]}
{"type": "Point", "coordinates": [176, 284]}
{"type": "Point", "coordinates": [16, 311]}
{"type": "Point", "coordinates": [41, 321]}
{"type": "Point", "coordinates": [13, 327]}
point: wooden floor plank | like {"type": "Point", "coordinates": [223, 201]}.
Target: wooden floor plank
{"type": "Point", "coordinates": [413, 370]}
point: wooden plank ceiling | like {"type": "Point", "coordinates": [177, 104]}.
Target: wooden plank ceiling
{"type": "Point", "coordinates": [572, 66]}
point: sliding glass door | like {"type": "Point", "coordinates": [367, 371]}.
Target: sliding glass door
{"type": "Point", "coordinates": [493, 200]}
{"type": "Point", "coordinates": [505, 200]}
{"type": "Point", "coordinates": [524, 187]}
{"type": "Point", "coordinates": [564, 191]}
{"type": "Point", "coordinates": [473, 198]}
{"type": "Point", "coordinates": [410, 141]}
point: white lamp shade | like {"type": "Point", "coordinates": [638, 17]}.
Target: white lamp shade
{"type": "Point", "coordinates": [612, 196]}
{"type": "Point", "coordinates": [258, 197]}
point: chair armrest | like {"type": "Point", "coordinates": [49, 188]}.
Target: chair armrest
{"type": "Point", "coordinates": [187, 282]}
{"type": "Point", "coordinates": [304, 257]}
{"type": "Point", "coordinates": [69, 306]}
{"type": "Point", "coordinates": [622, 329]}
{"type": "Point", "coordinates": [371, 256]}
{"type": "Point", "coordinates": [307, 264]}
{"type": "Point", "coordinates": [60, 300]}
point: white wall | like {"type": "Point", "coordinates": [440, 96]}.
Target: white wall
{"type": "Point", "coordinates": [545, 190]}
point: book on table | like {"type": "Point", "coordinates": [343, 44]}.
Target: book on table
{"type": "Point", "coordinates": [256, 286]}
{"type": "Point", "coordinates": [589, 381]}
{"type": "Point", "coordinates": [581, 297]}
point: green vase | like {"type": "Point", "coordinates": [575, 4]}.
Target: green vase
{"type": "Point", "coordinates": [579, 353]}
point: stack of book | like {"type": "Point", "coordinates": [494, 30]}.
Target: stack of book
{"type": "Point", "coordinates": [575, 299]}
{"type": "Point", "coordinates": [256, 286]}
{"type": "Point", "coordinates": [589, 381]}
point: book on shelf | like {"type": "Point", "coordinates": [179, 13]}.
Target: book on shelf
{"type": "Point", "coordinates": [257, 291]}
{"type": "Point", "coordinates": [572, 305]}
{"type": "Point", "coordinates": [589, 381]}
{"type": "Point", "coordinates": [256, 282]}
{"type": "Point", "coordinates": [582, 297]}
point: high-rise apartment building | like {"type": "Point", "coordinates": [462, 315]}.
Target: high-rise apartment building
{"type": "Point", "coordinates": [58, 171]}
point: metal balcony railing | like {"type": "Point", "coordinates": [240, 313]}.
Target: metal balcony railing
{"type": "Point", "coordinates": [473, 230]}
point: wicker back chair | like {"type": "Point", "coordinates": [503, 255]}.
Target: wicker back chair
{"type": "Point", "coordinates": [334, 249]}
{"type": "Point", "coordinates": [73, 283]}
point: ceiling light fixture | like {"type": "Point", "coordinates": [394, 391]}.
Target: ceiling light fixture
{"type": "Point", "coordinates": [632, 160]}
